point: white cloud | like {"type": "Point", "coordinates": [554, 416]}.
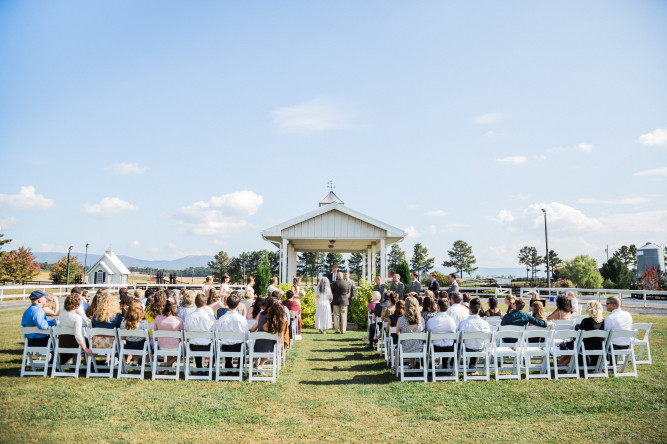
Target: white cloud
{"type": "Point", "coordinates": [432, 229]}
{"type": "Point", "coordinates": [662, 171]}
{"type": "Point", "coordinates": [656, 137]}
{"type": "Point", "coordinates": [313, 116]}
{"type": "Point", "coordinates": [412, 232]}
{"type": "Point", "coordinates": [489, 118]}
{"type": "Point", "coordinates": [221, 215]}
{"type": "Point", "coordinates": [587, 147]}
{"type": "Point", "coordinates": [647, 221]}
{"type": "Point", "coordinates": [7, 223]}
{"type": "Point", "coordinates": [126, 168]}
{"type": "Point", "coordinates": [171, 245]}
{"type": "Point", "coordinates": [136, 243]}
{"type": "Point", "coordinates": [439, 213]}
{"type": "Point", "coordinates": [504, 216]}
{"type": "Point", "coordinates": [560, 217]}
{"type": "Point", "coordinates": [541, 157]}
{"type": "Point", "coordinates": [583, 146]}
{"type": "Point", "coordinates": [624, 201]}
{"type": "Point", "coordinates": [107, 207]}
{"type": "Point", "coordinates": [413, 207]}
{"type": "Point", "coordinates": [492, 134]}
{"type": "Point", "coordinates": [26, 199]}
{"type": "Point", "coordinates": [513, 160]}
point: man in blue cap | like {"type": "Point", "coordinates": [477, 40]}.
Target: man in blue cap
{"type": "Point", "coordinates": [34, 316]}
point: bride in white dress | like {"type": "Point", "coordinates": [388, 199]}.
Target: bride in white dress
{"type": "Point", "coordinates": [323, 320]}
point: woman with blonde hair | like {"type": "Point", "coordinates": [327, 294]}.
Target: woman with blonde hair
{"type": "Point", "coordinates": [410, 322]}
{"type": "Point", "coordinates": [107, 315]}
{"type": "Point", "coordinates": [187, 305]}
{"type": "Point", "coordinates": [214, 302]}
{"type": "Point", "coordinates": [90, 311]}
{"type": "Point", "coordinates": [133, 320]}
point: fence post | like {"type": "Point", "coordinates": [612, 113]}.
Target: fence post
{"type": "Point", "coordinates": [644, 298]}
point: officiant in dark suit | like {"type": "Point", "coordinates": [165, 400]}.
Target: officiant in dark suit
{"type": "Point", "coordinates": [341, 300]}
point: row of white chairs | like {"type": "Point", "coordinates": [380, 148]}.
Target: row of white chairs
{"type": "Point", "coordinates": [37, 360]}
{"type": "Point", "coordinates": [509, 353]}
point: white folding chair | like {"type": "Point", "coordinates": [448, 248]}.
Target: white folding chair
{"type": "Point", "coordinates": [566, 324]}
{"type": "Point", "coordinates": [506, 353]}
{"type": "Point", "coordinates": [125, 370]}
{"type": "Point", "coordinates": [572, 369]}
{"type": "Point", "coordinates": [166, 353]}
{"type": "Point", "coordinates": [294, 326]}
{"type": "Point", "coordinates": [106, 368]}
{"type": "Point", "coordinates": [445, 357]}
{"type": "Point", "coordinates": [60, 368]}
{"type": "Point", "coordinates": [36, 357]}
{"type": "Point", "coordinates": [536, 351]}
{"type": "Point", "coordinates": [418, 355]}
{"type": "Point", "coordinates": [482, 353]}
{"type": "Point", "coordinates": [190, 355]}
{"type": "Point", "coordinates": [600, 370]}
{"type": "Point", "coordinates": [643, 343]}
{"type": "Point", "coordinates": [625, 354]}
{"type": "Point", "coordinates": [493, 320]}
{"type": "Point", "coordinates": [221, 355]}
{"type": "Point", "coordinates": [255, 374]}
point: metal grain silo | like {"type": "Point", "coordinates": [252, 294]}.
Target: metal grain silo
{"type": "Point", "coordinates": [650, 255]}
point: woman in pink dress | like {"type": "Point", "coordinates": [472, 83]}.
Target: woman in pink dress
{"type": "Point", "coordinates": [168, 321]}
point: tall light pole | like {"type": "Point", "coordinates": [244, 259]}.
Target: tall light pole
{"type": "Point", "coordinates": [69, 252]}
{"type": "Point", "coordinates": [85, 262]}
{"type": "Point", "coordinates": [546, 240]}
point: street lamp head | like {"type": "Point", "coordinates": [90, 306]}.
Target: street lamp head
{"type": "Point", "coordinates": [543, 210]}
{"type": "Point", "coordinates": [70, 248]}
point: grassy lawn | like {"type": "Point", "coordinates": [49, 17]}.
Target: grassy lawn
{"type": "Point", "coordinates": [332, 389]}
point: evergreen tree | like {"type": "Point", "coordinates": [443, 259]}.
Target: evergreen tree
{"type": "Point", "coordinates": [19, 265]}
{"type": "Point", "coordinates": [355, 263]}
{"type": "Point", "coordinates": [309, 263]}
{"type": "Point", "coordinates": [219, 265]}
{"type": "Point", "coordinates": [617, 273]}
{"type": "Point", "coordinates": [628, 255]}
{"type": "Point", "coordinates": [263, 276]}
{"type": "Point", "coordinates": [403, 269]}
{"type": "Point", "coordinates": [461, 258]}
{"type": "Point", "coordinates": [528, 256]}
{"type": "Point", "coordinates": [395, 256]}
{"type": "Point", "coordinates": [330, 260]}
{"type": "Point", "coordinates": [420, 261]}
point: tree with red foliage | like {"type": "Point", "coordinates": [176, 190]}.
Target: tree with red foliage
{"type": "Point", "coordinates": [650, 279]}
{"type": "Point", "coordinates": [20, 265]}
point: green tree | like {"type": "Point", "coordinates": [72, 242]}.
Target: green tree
{"type": "Point", "coordinates": [263, 276]}
{"type": "Point", "coordinates": [238, 268]}
{"type": "Point", "coordinates": [618, 273]}
{"type": "Point", "coordinates": [528, 256]}
{"type": "Point", "coordinates": [420, 261]}
{"type": "Point", "coordinates": [219, 265]}
{"type": "Point", "coordinates": [274, 262]}
{"type": "Point", "coordinates": [395, 256]}
{"type": "Point", "coordinates": [310, 263]}
{"type": "Point", "coordinates": [3, 242]}
{"type": "Point", "coordinates": [461, 258]}
{"type": "Point", "coordinates": [582, 271]}
{"type": "Point", "coordinates": [628, 255]}
{"type": "Point", "coordinates": [59, 269]}
{"type": "Point", "coordinates": [554, 260]}
{"type": "Point", "coordinates": [355, 264]}
{"type": "Point", "coordinates": [332, 259]}
{"type": "Point", "coordinates": [403, 269]}
{"type": "Point", "coordinates": [20, 265]}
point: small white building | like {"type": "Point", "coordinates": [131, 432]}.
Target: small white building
{"type": "Point", "coordinates": [109, 269]}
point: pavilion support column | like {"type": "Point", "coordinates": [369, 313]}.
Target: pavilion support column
{"type": "Point", "coordinates": [291, 263]}
{"type": "Point", "coordinates": [373, 266]}
{"type": "Point", "coordinates": [383, 259]}
{"type": "Point", "coordinates": [283, 260]}
{"type": "Point", "coordinates": [363, 267]}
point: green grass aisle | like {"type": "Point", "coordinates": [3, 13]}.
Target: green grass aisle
{"type": "Point", "coordinates": [332, 389]}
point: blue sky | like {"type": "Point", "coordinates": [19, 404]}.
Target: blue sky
{"type": "Point", "coordinates": [171, 128]}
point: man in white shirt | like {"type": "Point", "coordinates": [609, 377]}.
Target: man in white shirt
{"type": "Point", "coordinates": [474, 323]}
{"type": "Point", "coordinates": [618, 320]}
{"type": "Point", "coordinates": [199, 320]}
{"type": "Point", "coordinates": [458, 311]}
{"type": "Point", "coordinates": [442, 323]}
{"type": "Point", "coordinates": [573, 302]}
{"type": "Point", "coordinates": [231, 321]}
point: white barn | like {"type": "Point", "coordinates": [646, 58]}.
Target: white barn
{"type": "Point", "coordinates": [333, 227]}
{"type": "Point", "coordinates": [109, 269]}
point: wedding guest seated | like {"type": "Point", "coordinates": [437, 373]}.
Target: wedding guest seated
{"type": "Point", "coordinates": [292, 305]}
{"type": "Point", "coordinates": [107, 315]}
{"type": "Point", "coordinates": [429, 293]}
{"type": "Point", "coordinates": [471, 324]}
{"type": "Point", "coordinates": [375, 300]}
{"type": "Point", "coordinates": [148, 294]}
{"type": "Point", "coordinates": [156, 307]}
{"type": "Point", "coordinates": [594, 321]}
{"type": "Point", "coordinates": [410, 322]}
{"type": "Point", "coordinates": [519, 317]}
{"type": "Point", "coordinates": [442, 323]}
{"type": "Point", "coordinates": [457, 310]}
{"type": "Point", "coordinates": [83, 304]}
{"type": "Point", "coordinates": [257, 308]}
{"type": "Point", "coordinates": [52, 305]}
{"type": "Point", "coordinates": [172, 295]}
{"type": "Point", "coordinates": [139, 296]}
{"type": "Point", "coordinates": [493, 308]}
{"type": "Point", "coordinates": [126, 300]}
{"type": "Point", "coordinates": [187, 305]}
{"type": "Point", "coordinates": [271, 320]}
{"type": "Point", "coordinates": [563, 309]}
{"type": "Point", "coordinates": [466, 300]}
{"type": "Point", "coordinates": [246, 302]}
{"type": "Point", "coordinates": [71, 319]}
{"type": "Point", "coordinates": [388, 311]}
{"type": "Point", "coordinates": [199, 320]}
{"type": "Point", "coordinates": [380, 306]}
{"type": "Point", "coordinates": [90, 311]}
{"type": "Point", "coordinates": [618, 320]}
{"type": "Point", "coordinates": [214, 302]}
{"type": "Point", "coordinates": [134, 320]}
{"type": "Point", "coordinates": [399, 310]}
{"type": "Point", "coordinates": [428, 308]}
{"type": "Point", "coordinates": [232, 321]}
{"type": "Point", "coordinates": [273, 287]}
{"type": "Point", "coordinates": [509, 301]}
{"type": "Point", "coordinates": [537, 311]}
{"type": "Point", "coordinates": [573, 302]}
{"type": "Point", "coordinates": [169, 321]}
{"type": "Point", "coordinates": [34, 316]}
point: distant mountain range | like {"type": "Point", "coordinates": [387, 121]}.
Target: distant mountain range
{"type": "Point", "coordinates": [202, 261]}
{"type": "Point", "coordinates": [176, 264]}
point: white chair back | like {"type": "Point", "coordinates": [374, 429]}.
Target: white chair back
{"type": "Point", "coordinates": [36, 357]}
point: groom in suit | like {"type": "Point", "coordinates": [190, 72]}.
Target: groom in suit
{"type": "Point", "coordinates": [334, 274]}
{"type": "Point", "coordinates": [340, 289]}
